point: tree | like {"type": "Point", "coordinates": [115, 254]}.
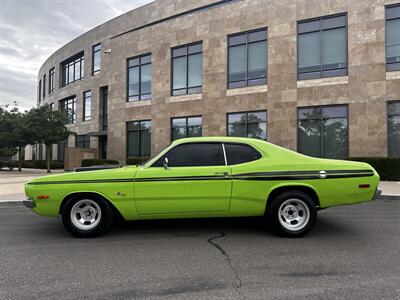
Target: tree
{"type": "Point", "coordinates": [50, 127]}
{"type": "Point", "coordinates": [15, 133]}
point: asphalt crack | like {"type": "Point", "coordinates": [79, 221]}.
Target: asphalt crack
{"type": "Point", "coordinates": [211, 241]}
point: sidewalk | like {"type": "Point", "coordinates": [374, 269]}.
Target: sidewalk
{"type": "Point", "coordinates": [12, 185]}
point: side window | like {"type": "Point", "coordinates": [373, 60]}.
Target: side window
{"type": "Point", "coordinates": [239, 154]}
{"type": "Point", "coordinates": [194, 155]}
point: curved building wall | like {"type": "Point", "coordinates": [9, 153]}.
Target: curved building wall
{"type": "Point", "coordinates": [365, 89]}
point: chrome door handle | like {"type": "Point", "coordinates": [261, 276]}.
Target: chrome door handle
{"type": "Point", "coordinates": [322, 174]}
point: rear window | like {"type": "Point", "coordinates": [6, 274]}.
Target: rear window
{"type": "Point", "coordinates": [240, 153]}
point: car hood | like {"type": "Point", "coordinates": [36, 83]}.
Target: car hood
{"type": "Point", "coordinates": [127, 172]}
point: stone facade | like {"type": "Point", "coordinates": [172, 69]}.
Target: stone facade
{"type": "Point", "coordinates": [366, 89]}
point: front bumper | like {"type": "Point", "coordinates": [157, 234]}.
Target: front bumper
{"type": "Point", "coordinates": [377, 194]}
{"type": "Point", "coordinates": [28, 203]}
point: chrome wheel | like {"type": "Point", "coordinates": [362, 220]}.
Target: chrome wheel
{"type": "Point", "coordinates": [85, 214]}
{"type": "Point", "coordinates": [294, 214]}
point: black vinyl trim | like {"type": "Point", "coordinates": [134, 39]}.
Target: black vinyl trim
{"type": "Point", "coordinates": [260, 176]}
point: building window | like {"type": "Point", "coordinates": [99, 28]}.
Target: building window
{"type": "Point", "coordinates": [67, 106]}
{"type": "Point", "coordinates": [138, 139]}
{"type": "Point", "coordinates": [52, 78]}
{"type": "Point", "coordinates": [186, 127]}
{"type": "Point", "coordinates": [247, 59]}
{"type": "Point", "coordinates": [393, 37]}
{"type": "Point", "coordinates": [323, 131]}
{"type": "Point", "coordinates": [187, 69]}
{"type": "Point", "coordinates": [139, 78]}
{"type": "Point", "coordinates": [322, 47]}
{"type": "Point", "coordinates": [40, 91]}
{"type": "Point", "coordinates": [248, 124]}
{"type": "Point", "coordinates": [82, 141]}
{"type": "Point", "coordinates": [394, 129]}
{"type": "Point", "coordinates": [96, 59]}
{"type": "Point", "coordinates": [87, 106]}
{"type": "Point", "coordinates": [44, 86]}
{"type": "Point", "coordinates": [72, 69]}
{"type": "Point", "coordinates": [61, 149]}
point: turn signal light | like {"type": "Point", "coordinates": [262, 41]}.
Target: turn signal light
{"type": "Point", "coordinates": [43, 197]}
{"type": "Point", "coordinates": [364, 186]}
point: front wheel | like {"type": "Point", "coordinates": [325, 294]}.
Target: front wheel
{"type": "Point", "coordinates": [292, 214]}
{"type": "Point", "coordinates": [86, 216]}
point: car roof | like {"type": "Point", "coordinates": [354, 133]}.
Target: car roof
{"type": "Point", "coordinates": [227, 139]}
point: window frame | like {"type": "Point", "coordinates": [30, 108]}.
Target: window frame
{"type": "Point", "coordinates": [83, 139]}
{"type": "Point", "coordinates": [321, 30]}
{"type": "Point", "coordinates": [95, 72]}
{"type": "Point", "coordinates": [139, 65]}
{"type": "Point", "coordinates": [140, 155]}
{"type": "Point", "coordinates": [70, 63]}
{"type": "Point", "coordinates": [62, 105]}
{"type": "Point", "coordinates": [52, 79]}
{"type": "Point", "coordinates": [85, 117]}
{"type": "Point", "coordinates": [186, 126]}
{"type": "Point", "coordinates": [40, 91]}
{"type": "Point", "coordinates": [386, 45]}
{"type": "Point", "coordinates": [242, 144]}
{"type": "Point", "coordinates": [387, 122]}
{"type": "Point", "coordinates": [323, 106]}
{"type": "Point", "coordinates": [44, 86]}
{"type": "Point", "coordinates": [247, 123]}
{"type": "Point", "coordinates": [187, 55]}
{"type": "Point", "coordinates": [190, 143]}
{"type": "Point", "coordinates": [247, 58]}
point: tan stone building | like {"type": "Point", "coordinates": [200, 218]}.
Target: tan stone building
{"type": "Point", "coordinates": [318, 76]}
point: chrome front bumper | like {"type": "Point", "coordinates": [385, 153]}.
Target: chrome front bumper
{"type": "Point", "coordinates": [28, 203]}
{"type": "Point", "coordinates": [377, 194]}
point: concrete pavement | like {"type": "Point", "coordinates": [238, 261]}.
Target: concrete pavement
{"type": "Point", "coordinates": [353, 253]}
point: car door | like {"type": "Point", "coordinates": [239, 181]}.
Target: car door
{"type": "Point", "coordinates": [197, 180]}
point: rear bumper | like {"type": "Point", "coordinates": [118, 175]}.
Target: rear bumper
{"type": "Point", "coordinates": [28, 203]}
{"type": "Point", "coordinates": [377, 194]}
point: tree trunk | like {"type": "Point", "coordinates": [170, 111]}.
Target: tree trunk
{"type": "Point", "coordinates": [48, 158]}
{"type": "Point", "coordinates": [19, 159]}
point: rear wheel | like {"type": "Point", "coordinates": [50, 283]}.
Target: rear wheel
{"type": "Point", "coordinates": [292, 214]}
{"type": "Point", "coordinates": [87, 216]}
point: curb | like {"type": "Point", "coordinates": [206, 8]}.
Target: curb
{"type": "Point", "coordinates": [11, 203]}
{"type": "Point", "coordinates": [389, 197]}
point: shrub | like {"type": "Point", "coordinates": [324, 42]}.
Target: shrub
{"type": "Point", "coordinates": [10, 164]}
{"type": "Point", "coordinates": [387, 167]}
{"type": "Point", "coordinates": [42, 164]}
{"type": "Point", "coordinates": [98, 162]}
{"type": "Point", "coordinates": [133, 161]}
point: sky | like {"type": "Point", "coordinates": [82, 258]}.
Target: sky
{"type": "Point", "coordinates": [31, 30]}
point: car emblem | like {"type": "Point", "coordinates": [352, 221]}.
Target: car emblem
{"type": "Point", "coordinates": [322, 174]}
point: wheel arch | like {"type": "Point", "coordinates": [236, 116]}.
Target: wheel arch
{"type": "Point", "coordinates": [93, 194]}
{"type": "Point", "coordinates": [293, 187]}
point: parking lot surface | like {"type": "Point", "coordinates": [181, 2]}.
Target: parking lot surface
{"type": "Point", "coordinates": [353, 253]}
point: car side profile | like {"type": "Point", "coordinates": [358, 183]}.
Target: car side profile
{"type": "Point", "coordinates": [206, 177]}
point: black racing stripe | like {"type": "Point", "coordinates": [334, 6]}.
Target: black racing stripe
{"type": "Point", "coordinates": [312, 172]}
{"type": "Point", "coordinates": [83, 181]}
{"type": "Point", "coordinates": [259, 176]}
{"type": "Point", "coordinates": [186, 178]}
{"type": "Point", "coordinates": [307, 177]}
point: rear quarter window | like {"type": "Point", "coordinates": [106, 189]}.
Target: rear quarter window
{"type": "Point", "coordinates": [240, 153]}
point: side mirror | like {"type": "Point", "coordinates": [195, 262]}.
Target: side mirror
{"type": "Point", "coordinates": [166, 163]}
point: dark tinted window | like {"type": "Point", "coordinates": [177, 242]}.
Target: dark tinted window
{"type": "Point", "coordinates": [194, 155]}
{"type": "Point", "coordinates": [239, 154]}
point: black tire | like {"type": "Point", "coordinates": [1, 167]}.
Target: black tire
{"type": "Point", "coordinates": [281, 203]}
{"type": "Point", "coordinates": [102, 223]}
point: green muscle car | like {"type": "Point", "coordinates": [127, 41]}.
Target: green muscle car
{"type": "Point", "coordinates": [206, 177]}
